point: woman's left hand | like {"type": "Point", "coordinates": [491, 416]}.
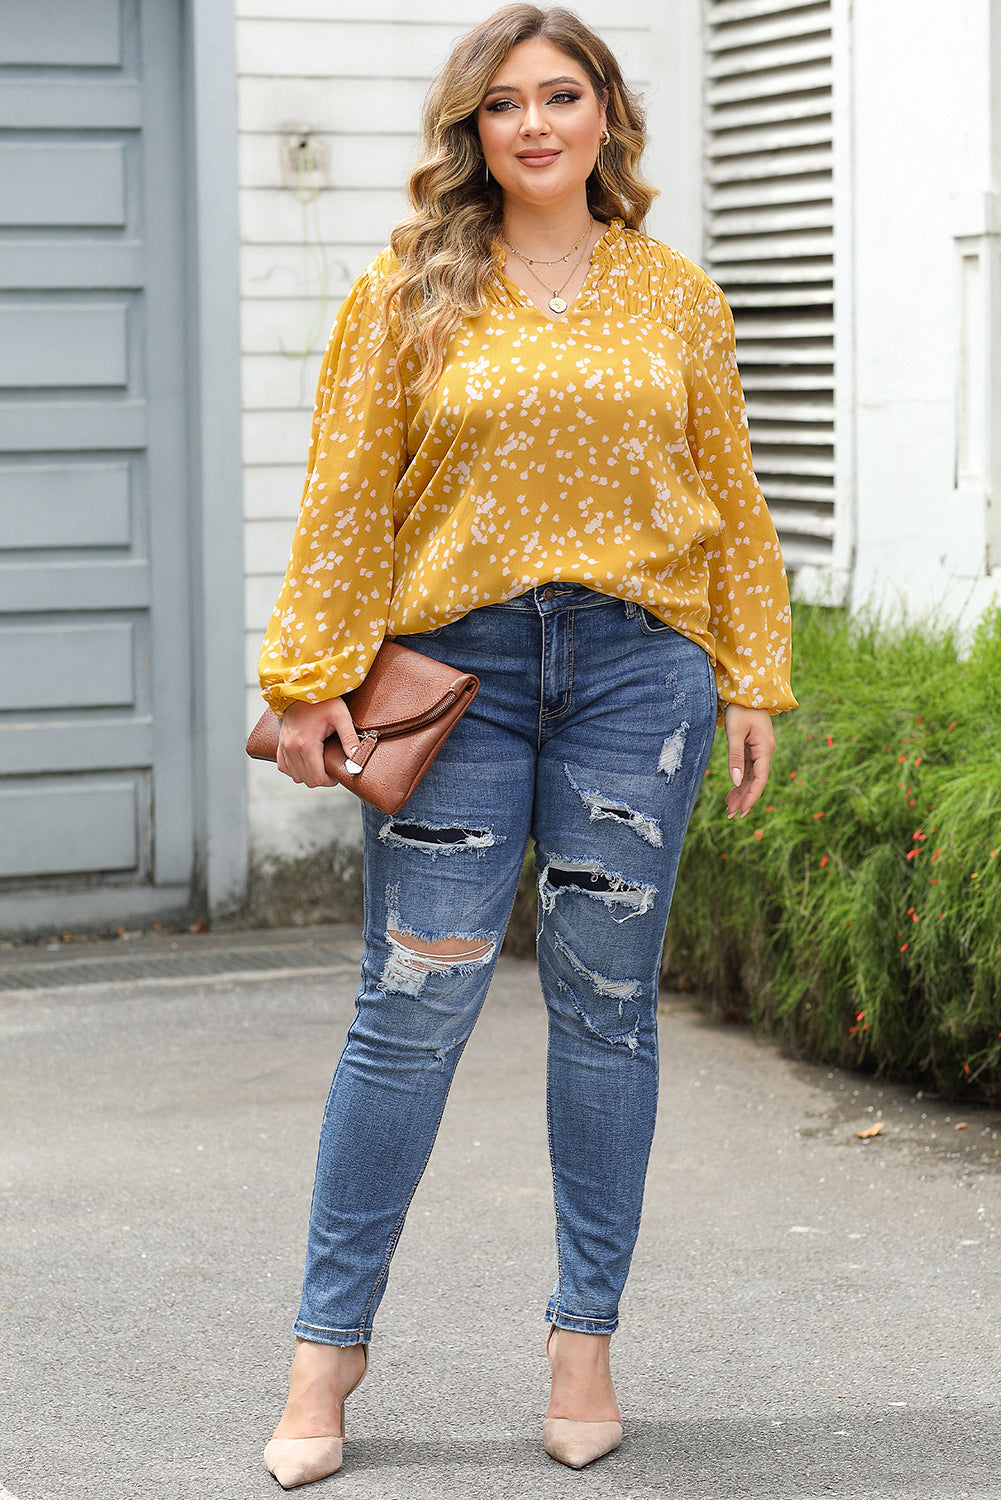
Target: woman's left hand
{"type": "Point", "coordinates": [750, 742]}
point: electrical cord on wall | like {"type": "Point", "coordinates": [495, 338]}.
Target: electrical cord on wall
{"type": "Point", "coordinates": [308, 186]}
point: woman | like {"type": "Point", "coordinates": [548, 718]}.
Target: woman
{"type": "Point", "coordinates": [529, 459]}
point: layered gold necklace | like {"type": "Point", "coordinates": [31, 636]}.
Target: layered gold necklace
{"type": "Point", "coordinates": [556, 302]}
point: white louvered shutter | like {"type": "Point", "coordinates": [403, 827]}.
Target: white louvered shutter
{"type": "Point", "coordinates": [770, 245]}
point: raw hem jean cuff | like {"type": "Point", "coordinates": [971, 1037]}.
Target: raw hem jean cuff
{"type": "Point", "coordinates": [342, 1337]}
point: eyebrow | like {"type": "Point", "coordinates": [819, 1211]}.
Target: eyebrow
{"type": "Point", "coordinates": [512, 88]}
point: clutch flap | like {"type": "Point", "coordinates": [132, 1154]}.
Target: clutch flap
{"type": "Point", "coordinates": [402, 689]}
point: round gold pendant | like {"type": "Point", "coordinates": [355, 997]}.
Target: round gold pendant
{"type": "Point", "coordinates": [557, 305]}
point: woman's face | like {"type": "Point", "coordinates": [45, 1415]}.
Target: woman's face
{"type": "Point", "coordinates": [540, 122]}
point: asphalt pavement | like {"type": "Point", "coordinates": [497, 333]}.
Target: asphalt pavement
{"type": "Point", "coordinates": [809, 1313]}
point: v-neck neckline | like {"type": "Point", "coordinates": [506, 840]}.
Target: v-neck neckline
{"type": "Point", "coordinates": [599, 261]}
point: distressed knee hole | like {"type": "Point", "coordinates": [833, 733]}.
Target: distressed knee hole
{"type": "Point", "coordinates": [433, 840]}
{"type": "Point", "coordinates": [441, 953]}
{"type": "Point", "coordinates": [601, 806]}
{"type": "Point", "coordinates": [412, 959]}
{"type": "Point", "coordinates": [587, 878]}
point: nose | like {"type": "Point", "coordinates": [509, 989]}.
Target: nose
{"type": "Point", "coordinates": [534, 121]}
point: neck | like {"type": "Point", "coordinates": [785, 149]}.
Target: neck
{"type": "Point", "coordinates": [545, 231]}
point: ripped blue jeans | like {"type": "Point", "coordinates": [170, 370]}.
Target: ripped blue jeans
{"type": "Point", "coordinates": [591, 733]}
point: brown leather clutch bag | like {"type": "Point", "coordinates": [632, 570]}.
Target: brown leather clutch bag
{"type": "Point", "coordinates": [403, 712]}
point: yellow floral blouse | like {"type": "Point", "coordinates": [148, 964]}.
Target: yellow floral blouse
{"type": "Point", "coordinates": [608, 449]}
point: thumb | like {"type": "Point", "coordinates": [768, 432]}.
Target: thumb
{"type": "Point", "coordinates": [344, 728]}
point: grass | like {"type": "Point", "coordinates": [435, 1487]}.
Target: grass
{"type": "Point", "coordinates": [856, 913]}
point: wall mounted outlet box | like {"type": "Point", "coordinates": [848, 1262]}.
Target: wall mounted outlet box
{"type": "Point", "coordinates": [305, 159]}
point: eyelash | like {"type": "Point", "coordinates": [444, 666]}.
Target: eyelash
{"type": "Point", "coordinates": [564, 96]}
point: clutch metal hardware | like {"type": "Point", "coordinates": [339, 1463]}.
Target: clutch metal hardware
{"type": "Point", "coordinates": [388, 731]}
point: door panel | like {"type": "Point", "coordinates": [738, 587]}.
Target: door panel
{"type": "Point", "coordinates": [64, 182]}
{"type": "Point", "coordinates": [75, 827]}
{"type": "Point", "coordinates": [61, 33]}
{"type": "Point", "coordinates": [68, 666]}
{"type": "Point", "coordinates": [74, 505]}
{"type": "Point", "coordinates": [63, 344]}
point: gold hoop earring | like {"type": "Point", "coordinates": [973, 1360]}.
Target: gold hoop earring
{"type": "Point", "coordinates": [602, 143]}
{"type": "Point", "coordinates": [486, 174]}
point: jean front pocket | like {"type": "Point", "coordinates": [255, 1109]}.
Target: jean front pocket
{"type": "Point", "coordinates": [649, 623]}
{"type": "Point", "coordinates": [413, 641]}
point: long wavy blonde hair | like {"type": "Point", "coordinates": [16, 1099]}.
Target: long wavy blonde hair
{"type": "Point", "coordinates": [444, 247]}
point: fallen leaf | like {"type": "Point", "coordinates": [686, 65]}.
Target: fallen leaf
{"type": "Point", "coordinates": [866, 1135]}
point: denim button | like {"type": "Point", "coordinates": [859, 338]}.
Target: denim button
{"type": "Point", "coordinates": [549, 594]}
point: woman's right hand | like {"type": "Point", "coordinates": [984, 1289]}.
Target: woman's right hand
{"type": "Point", "coordinates": [304, 728]}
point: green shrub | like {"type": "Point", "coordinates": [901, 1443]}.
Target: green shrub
{"type": "Point", "coordinates": [855, 914]}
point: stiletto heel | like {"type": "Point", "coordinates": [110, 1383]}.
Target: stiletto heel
{"type": "Point", "coordinates": [577, 1444]}
{"type": "Point", "coordinates": [295, 1461]}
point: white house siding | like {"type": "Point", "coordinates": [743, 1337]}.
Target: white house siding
{"type": "Point", "coordinates": [350, 77]}
{"type": "Point", "coordinates": [918, 234]}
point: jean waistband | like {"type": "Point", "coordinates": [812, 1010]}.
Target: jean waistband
{"type": "Point", "coordinates": [548, 596]}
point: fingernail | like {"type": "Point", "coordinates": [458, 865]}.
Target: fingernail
{"type": "Point", "coordinates": [736, 775]}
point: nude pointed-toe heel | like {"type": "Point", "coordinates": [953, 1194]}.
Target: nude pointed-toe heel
{"type": "Point", "coordinates": [578, 1444]}
{"type": "Point", "coordinates": [295, 1461]}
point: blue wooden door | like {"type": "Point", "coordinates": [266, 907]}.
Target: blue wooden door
{"type": "Point", "coordinates": [96, 821]}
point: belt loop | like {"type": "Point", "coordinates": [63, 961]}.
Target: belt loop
{"type": "Point", "coordinates": [632, 609]}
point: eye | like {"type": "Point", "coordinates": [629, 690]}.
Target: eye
{"type": "Point", "coordinates": [565, 96]}
{"type": "Point", "coordinates": [497, 106]}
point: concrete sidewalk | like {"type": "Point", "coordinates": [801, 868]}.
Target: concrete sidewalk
{"type": "Point", "coordinates": [808, 1315]}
